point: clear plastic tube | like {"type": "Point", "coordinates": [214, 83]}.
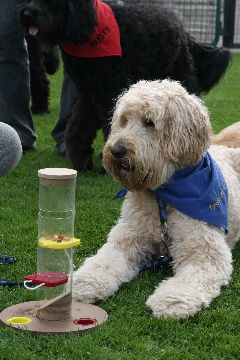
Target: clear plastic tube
{"type": "Point", "coordinates": [55, 241]}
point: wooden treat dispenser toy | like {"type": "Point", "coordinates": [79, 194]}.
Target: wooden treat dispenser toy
{"type": "Point", "coordinates": [54, 312]}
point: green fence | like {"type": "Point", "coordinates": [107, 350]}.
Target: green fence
{"type": "Point", "coordinates": [202, 19]}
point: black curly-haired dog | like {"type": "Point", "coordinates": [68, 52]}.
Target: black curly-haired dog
{"type": "Point", "coordinates": [40, 64]}
{"type": "Point", "coordinates": [152, 45]}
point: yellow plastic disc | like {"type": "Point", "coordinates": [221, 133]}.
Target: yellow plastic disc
{"type": "Point", "coordinates": [58, 243]}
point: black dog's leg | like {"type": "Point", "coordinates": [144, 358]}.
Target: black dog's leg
{"type": "Point", "coordinates": [38, 78]}
{"type": "Point", "coordinates": [39, 91]}
{"type": "Point", "coordinates": [51, 61]}
{"type": "Point", "coordinates": [80, 133]}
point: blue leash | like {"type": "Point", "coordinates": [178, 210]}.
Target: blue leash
{"type": "Point", "coordinates": [11, 283]}
{"type": "Point", "coordinates": [6, 259]}
{"type": "Point", "coordinates": [162, 262]}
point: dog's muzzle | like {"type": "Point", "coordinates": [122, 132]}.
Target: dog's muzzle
{"type": "Point", "coordinates": [118, 151]}
{"type": "Point", "coordinates": [28, 18]}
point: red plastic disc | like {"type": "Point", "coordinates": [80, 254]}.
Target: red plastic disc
{"type": "Point", "coordinates": [49, 278]}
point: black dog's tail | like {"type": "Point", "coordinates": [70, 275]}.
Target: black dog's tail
{"type": "Point", "coordinates": [210, 63]}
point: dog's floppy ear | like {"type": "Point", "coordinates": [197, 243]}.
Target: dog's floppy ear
{"type": "Point", "coordinates": [81, 20]}
{"type": "Point", "coordinates": [187, 130]}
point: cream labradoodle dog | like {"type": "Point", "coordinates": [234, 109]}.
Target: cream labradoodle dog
{"type": "Point", "coordinates": [159, 148]}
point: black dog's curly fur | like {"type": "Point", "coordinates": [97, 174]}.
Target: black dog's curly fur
{"type": "Point", "coordinates": [154, 45]}
{"type": "Point", "coordinates": [40, 64]}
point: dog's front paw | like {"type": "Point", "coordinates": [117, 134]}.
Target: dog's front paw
{"type": "Point", "coordinates": [167, 308]}
{"type": "Point", "coordinates": [81, 160]}
{"type": "Point", "coordinates": [84, 290]}
{"type": "Point", "coordinates": [82, 165]}
{"type": "Point", "coordinates": [89, 286]}
{"type": "Point", "coordinates": [176, 303]}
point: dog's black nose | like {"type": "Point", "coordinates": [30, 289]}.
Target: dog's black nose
{"type": "Point", "coordinates": [27, 14]}
{"type": "Point", "coordinates": [118, 151]}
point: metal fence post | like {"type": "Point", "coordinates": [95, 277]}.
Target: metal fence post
{"type": "Point", "coordinates": [229, 20]}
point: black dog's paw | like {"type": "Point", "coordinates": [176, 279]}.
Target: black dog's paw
{"type": "Point", "coordinates": [39, 110]}
{"type": "Point", "coordinates": [83, 166]}
{"type": "Point", "coordinates": [102, 171]}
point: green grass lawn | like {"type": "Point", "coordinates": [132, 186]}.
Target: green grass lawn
{"type": "Point", "coordinates": [131, 331]}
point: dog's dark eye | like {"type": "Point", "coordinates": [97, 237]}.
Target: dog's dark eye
{"type": "Point", "coordinates": [149, 123]}
{"type": "Point", "coordinates": [123, 122]}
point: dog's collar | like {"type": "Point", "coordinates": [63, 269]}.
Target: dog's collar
{"type": "Point", "coordinates": [198, 191]}
{"type": "Point", "coordinates": [105, 40]}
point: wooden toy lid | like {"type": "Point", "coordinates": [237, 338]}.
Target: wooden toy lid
{"type": "Point", "coordinates": [57, 173]}
{"type": "Point", "coordinates": [57, 176]}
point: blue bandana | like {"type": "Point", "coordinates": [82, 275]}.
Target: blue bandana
{"type": "Point", "coordinates": [198, 191]}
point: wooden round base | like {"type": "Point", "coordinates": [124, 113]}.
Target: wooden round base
{"type": "Point", "coordinates": [85, 317]}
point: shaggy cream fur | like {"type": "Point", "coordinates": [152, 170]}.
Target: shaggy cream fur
{"type": "Point", "coordinates": [159, 128]}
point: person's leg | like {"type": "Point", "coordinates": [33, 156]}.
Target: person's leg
{"type": "Point", "coordinates": [10, 149]}
{"type": "Point", "coordinates": [14, 75]}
